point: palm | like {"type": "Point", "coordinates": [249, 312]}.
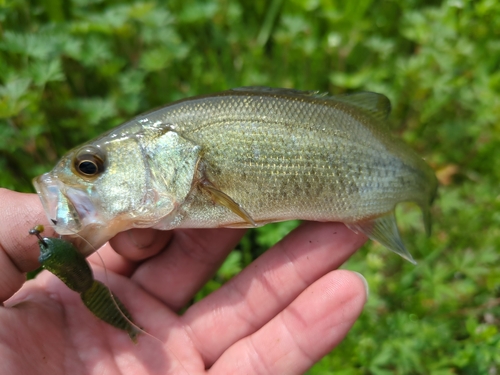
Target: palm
{"type": "Point", "coordinates": [57, 335]}
{"type": "Point", "coordinates": [280, 315]}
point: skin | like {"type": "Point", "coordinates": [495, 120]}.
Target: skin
{"type": "Point", "coordinates": [280, 315]}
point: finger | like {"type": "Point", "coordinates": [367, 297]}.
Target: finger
{"type": "Point", "coordinates": [109, 259]}
{"type": "Point", "coordinates": [19, 251]}
{"type": "Point", "coordinates": [191, 259]}
{"type": "Point", "coordinates": [303, 333]}
{"type": "Point", "coordinates": [125, 251]}
{"type": "Point", "coordinates": [140, 244]}
{"type": "Point", "coordinates": [268, 285]}
{"type": "Point", "coordinates": [11, 279]}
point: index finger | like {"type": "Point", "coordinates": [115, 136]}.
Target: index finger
{"type": "Point", "coordinates": [18, 250]}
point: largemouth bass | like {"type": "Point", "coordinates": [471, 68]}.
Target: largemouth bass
{"type": "Point", "coordinates": [241, 158]}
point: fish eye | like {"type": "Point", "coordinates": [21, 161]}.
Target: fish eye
{"type": "Point", "coordinates": [88, 167]}
{"type": "Point", "coordinates": [89, 162]}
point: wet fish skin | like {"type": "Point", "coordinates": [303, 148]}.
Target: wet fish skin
{"type": "Point", "coordinates": [241, 158]}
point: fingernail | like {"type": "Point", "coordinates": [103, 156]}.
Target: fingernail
{"type": "Point", "coordinates": [142, 238]}
{"type": "Point", "coordinates": [365, 283]}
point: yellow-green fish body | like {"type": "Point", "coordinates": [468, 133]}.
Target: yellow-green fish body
{"type": "Point", "coordinates": [241, 158]}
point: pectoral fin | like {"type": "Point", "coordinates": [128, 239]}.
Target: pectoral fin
{"type": "Point", "coordinates": [385, 231]}
{"type": "Point", "coordinates": [228, 202]}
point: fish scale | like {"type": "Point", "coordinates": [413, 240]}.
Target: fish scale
{"type": "Point", "coordinates": [242, 158]}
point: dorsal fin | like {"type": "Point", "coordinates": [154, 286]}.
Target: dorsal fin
{"type": "Point", "coordinates": [280, 91]}
{"type": "Point", "coordinates": [377, 105]}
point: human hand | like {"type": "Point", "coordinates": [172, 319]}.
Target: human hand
{"type": "Point", "coordinates": [278, 316]}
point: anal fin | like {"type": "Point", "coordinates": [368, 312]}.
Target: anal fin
{"type": "Point", "coordinates": [384, 230]}
{"type": "Point", "coordinates": [228, 202]}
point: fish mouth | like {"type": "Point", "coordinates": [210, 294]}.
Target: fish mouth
{"type": "Point", "coordinates": [69, 209]}
{"type": "Point", "coordinates": [75, 216]}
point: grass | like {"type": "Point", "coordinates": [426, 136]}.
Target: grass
{"type": "Point", "coordinates": [71, 70]}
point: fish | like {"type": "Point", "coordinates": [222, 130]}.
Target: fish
{"type": "Point", "coordinates": [61, 258]}
{"type": "Point", "coordinates": [242, 158]}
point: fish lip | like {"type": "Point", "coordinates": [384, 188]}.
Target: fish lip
{"type": "Point", "coordinates": [47, 191]}
{"type": "Point", "coordinates": [68, 208]}
{"type": "Point", "coordinates": [72, 211]}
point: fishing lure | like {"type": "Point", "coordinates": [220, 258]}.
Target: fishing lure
{"type": "Point", "coordinates": [62, 259]}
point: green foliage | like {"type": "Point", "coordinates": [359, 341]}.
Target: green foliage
{"type": "Point", "coordinates": [69, 70]}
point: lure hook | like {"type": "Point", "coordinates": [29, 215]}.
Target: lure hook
{"type": "Point", "coordinates": [36, 232]}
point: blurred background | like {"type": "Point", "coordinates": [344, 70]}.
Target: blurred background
{"type": "Point", "coordinates": [71, 69]}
